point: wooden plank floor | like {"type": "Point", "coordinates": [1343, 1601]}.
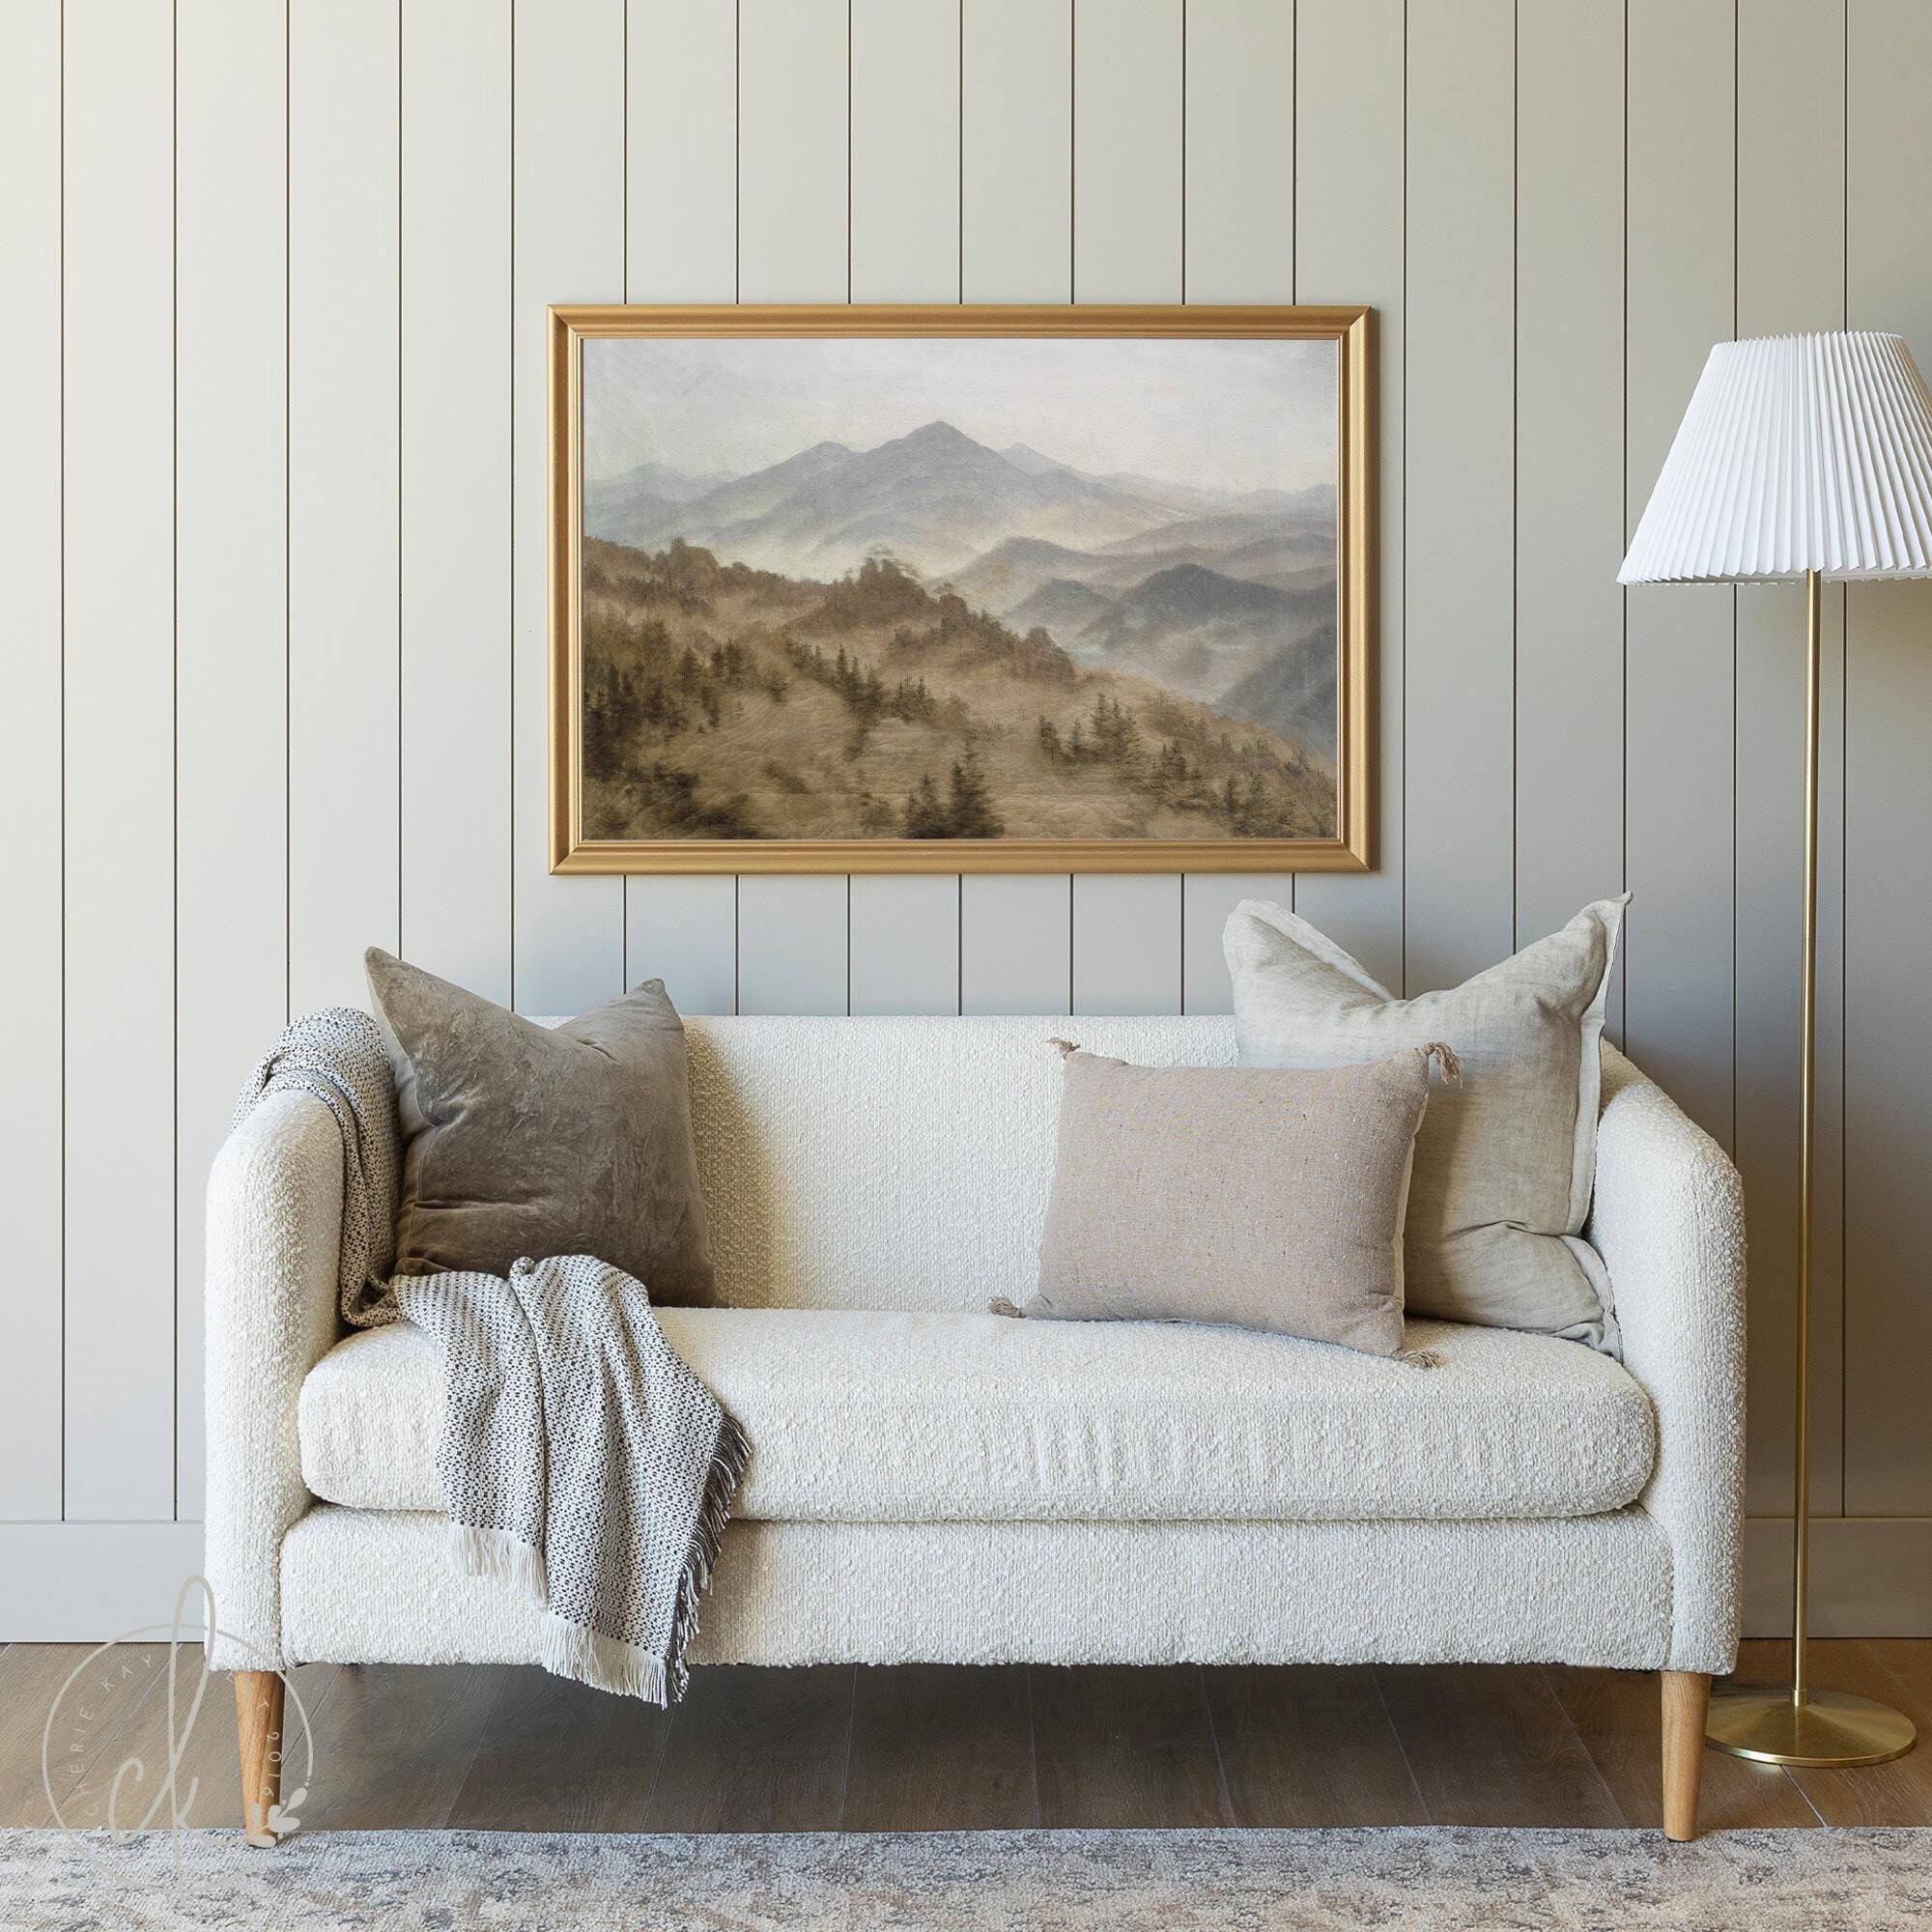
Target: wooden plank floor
{"type": "Point", "coordinates": [929, 1747]}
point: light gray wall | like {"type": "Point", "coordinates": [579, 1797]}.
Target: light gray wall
{"type": "Point", "coordinates": [271, 554]}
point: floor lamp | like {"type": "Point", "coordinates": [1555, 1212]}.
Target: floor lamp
{"type": "Point", "coordinates": [1799, 456]}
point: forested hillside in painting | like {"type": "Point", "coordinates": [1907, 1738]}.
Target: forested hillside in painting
{"type": "Point", "coordinates": [727, 702]}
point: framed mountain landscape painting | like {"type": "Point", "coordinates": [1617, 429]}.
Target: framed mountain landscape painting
{"type": "Point", "coordinates": [1000, 589]}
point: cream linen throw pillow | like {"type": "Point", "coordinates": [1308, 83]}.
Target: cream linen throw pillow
{"type": "Point", "coordinates": [1505, 1160]}
{"type": "Point", "coordinates": [1258, 1198]}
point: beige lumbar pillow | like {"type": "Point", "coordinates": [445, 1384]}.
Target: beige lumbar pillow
{"type": "Point", "coordinates": [1261, 1199]}
{"type": "Point", "coordinates": [1505, 1161]}
{"type": "Point", "coordinates": [523, 1140]}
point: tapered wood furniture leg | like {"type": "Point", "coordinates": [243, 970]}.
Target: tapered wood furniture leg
{"type": "Point", "coordinates": [258, 1728]}
{"type": "Point", "coordinates": [1687, 1702]}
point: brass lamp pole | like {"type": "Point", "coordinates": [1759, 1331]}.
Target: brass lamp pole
{"type": "Point", "coordinates": [1799, 456]}
{"type": "Point", "coordinates": [1802, 1725]}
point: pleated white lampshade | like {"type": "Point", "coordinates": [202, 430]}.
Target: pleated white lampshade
{"type": "Point", "coordinates": [1798, 453]}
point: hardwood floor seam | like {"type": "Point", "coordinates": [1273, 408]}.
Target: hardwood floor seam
{"type": "Point", "coordinates": [846, 1769]}
{"type": "Point", "coordinates": [1395, 1731]}
{"type": "Point", "coordinates": [1785, 1771]}
{"type": "Point", "coordinates": [1401, 1742]}
{"type": "Point", "coordinates": [1220, 1761]}
{"type": "Point", "coordinates": [1033, 1746]}
{"type": "Point", "coordinates": [1583, 1744]}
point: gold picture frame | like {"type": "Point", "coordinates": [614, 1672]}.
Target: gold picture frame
{"type": "Point", "coordinates": [1350, 848]}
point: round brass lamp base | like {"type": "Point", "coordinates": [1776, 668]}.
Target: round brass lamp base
{"type": "Point", "coordinates": [1829, 1729]}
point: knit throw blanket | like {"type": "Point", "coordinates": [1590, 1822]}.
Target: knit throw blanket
{"type": "Point", "coordinates": [582, 1460]}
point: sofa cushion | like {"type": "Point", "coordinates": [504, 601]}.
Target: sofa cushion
{"type": "Point", "coordinates": [860, 1416]}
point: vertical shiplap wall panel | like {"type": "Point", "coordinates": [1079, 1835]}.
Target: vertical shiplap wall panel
{"type": "Point", "coordinates": [683, 929]}
{"type": "Point", "coordinates": [906, 248]}
{"type": "Point", "coordinates": [1350, 79]}
{"type": "Point", "coordinates": [793, 235]}
{"type": "Point", "coordinates": [906, 150]}
{"type": "Point", "coordinates": [1015, 943]}
{"type": "Point", "coordinates": [345, 409]}
{"type": "Point", "coordinates": [30, 748]}
{"type": "Point", "coordinates": [1240, 152]}
{"type": "Point", "coordinates": [793, 936]}
{"type": "Point", "coordinates": [1791, 179]}
{"type": "Point", "coordinates": [456, 491]}
{"type": "Point", "coordinates": [1126, 943]}
{"type": "Point", "coordinates": [792, 932]}
{"type": "Point", "coordinates": [681, 245]}
{"type": "Point", "coordinates": [905, 935]}
{"type": "Point", "coordinates": [230, 564]}
{"type": "Point", "coordinates": [1460, 806]}
{"type": "Point", "coordinates": [1129, 233]}
{"type": "Point", "coordinates": [1127, 149]}
{"type": "Point", "coordinates": [793, 118]}
{"type": "Point", "coordinates": [1568, 458]}
{"type": "Point", "coordinates": [1017, 244]}
{"type": "Point", "coordinates": [1016, 151]}
{"type": "Point", "coordinates": [1206, 898]}
{"type": "Point", "coordinates": [567, 247]}
{"type": "Point", "coordinates": [118, 514]}
{"type": "Point", "coordinates": [1679, 764]}
{"type": "Point", "coordinates": [682, 156]}
{"type": "Point", "coordinates": [1888, 885]}
{"type": "Point", "coordinates": [1887, 1207]}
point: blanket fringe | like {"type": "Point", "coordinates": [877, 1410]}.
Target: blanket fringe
{"type": "Point", "coordinates": [604, 1662]}
{"type": "Point", "coordinates": [728, 1460]}
{"type": "Point", "coordinates": [608, 1663]}
{"type": "Point", "coordinates": [502, 1554]}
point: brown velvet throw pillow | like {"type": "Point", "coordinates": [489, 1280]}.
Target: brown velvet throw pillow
{"type": "Point", "coordinates": [520, 1140]}
{"type": "Point", "coordinates": [1261, 1198]}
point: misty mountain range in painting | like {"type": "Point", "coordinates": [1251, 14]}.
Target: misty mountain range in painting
{"type": "Point", "coordinates": [1228, 599]}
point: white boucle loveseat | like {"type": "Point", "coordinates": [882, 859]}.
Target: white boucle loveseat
{"type": "Point", "coordinates": [931, 1482]}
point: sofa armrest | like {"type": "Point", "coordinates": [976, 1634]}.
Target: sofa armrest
{"type": "Point", "coordinates": [1668, 1220]}
{"type": "Point", "coordinates": [274, 1227]}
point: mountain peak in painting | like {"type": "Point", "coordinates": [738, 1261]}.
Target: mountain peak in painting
{"type": "Point", "coordinates": [940, 439]}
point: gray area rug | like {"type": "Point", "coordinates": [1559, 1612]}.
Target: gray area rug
{"type": "Point", "coordinates": [1000, 1881]}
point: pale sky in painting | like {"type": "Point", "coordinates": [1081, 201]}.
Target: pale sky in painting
{"type": "Point", "coordinates": [1218, 415]}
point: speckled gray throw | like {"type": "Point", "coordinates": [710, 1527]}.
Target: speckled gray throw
{"type": "Point", "coordinates": [978, 1882]}
{"type": "Point", "coordinates": [581, 1462]}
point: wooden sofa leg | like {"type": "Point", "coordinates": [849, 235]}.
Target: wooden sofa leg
{"type": "Point", "coordinates": [1687, 1702]}
{"type": "Point", "coordinates": [258, 1728]}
